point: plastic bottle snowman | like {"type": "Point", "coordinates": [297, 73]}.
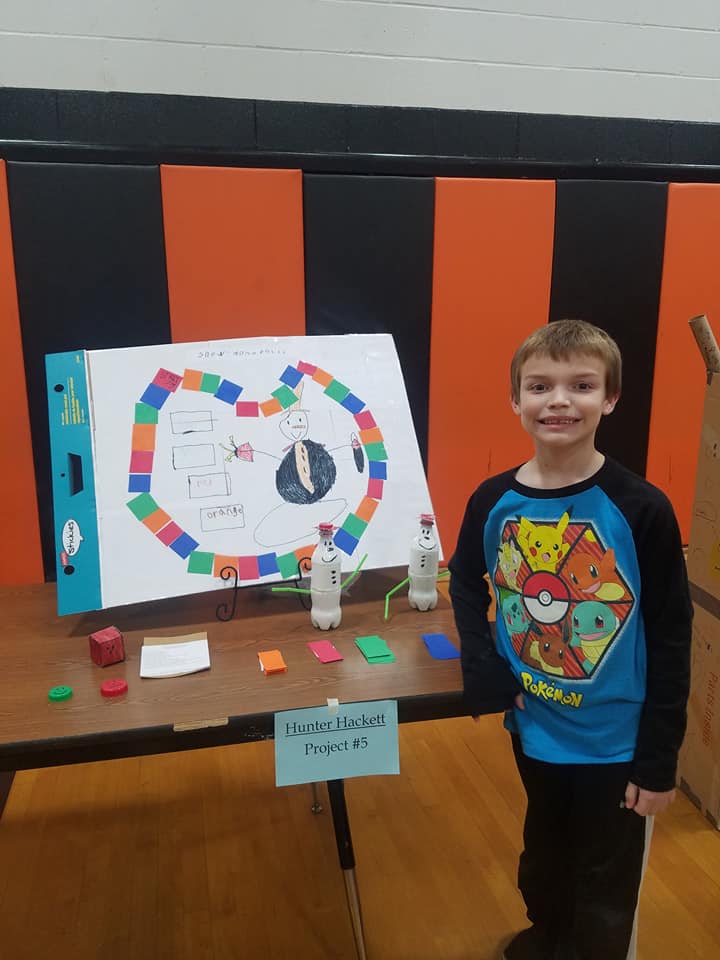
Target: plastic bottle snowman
{"type": "Point", "coordinates": [423, 569]}
{"type": "Point", "coordinates": [325, 587]}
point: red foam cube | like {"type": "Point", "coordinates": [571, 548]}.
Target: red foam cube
{"type": "Point", "coordinates": [106, 646]}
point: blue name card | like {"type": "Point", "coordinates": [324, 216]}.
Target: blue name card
{"type": "Point", "coordinates": [323, 743]}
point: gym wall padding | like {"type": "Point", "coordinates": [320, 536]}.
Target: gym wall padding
{"type": "Point", "coordinates": [21, 557]}
{"type": "Point", "coordinates": [690, 286]}
{"type": "Point", "coordinates": [90, 270]}
{"type": "Point", "coordinates": [491, 288]}
{"type": "Point", "coordinates": [368, 268]}
{"type": "Point", "coordinates": [234, 244]}
{"type": "Point", "coordinates": [609, 239]}
{"type": "Point", "coordinates": [458, 270]}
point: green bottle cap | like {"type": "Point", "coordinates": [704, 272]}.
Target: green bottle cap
{"type": "Point", "coordinates": [60, 693]}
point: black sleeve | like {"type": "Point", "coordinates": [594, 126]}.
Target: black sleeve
{"type": "Point", "coordinates": [667, 613]}
{"type": "Point", "coordinates": [488, 683]}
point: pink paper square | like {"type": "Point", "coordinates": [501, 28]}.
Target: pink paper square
{"type": "Point", "coordinates": [167, 379]}
{"type": "Point", "coordinates": [306, 367]}
{"type": "Point", "coordinates": [247, 408]}
{"type": "Point", "coordinates": [248, 568]}
{"type": "Point", "coordinates": [169, 533]}
{"type": "Point", "coordinates": [141, 461]}
{"type": "Point", "coordinates": [375, 488]}
{"type": "Point", "coordinates": [365, 420]}
{"type": "Point", "coordinates": [325, 651]}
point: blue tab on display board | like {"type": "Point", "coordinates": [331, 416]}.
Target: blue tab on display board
{"type": "Point", "coordinates": [324, 743]}
{"type": "Point", "coordinates": [77, 555]}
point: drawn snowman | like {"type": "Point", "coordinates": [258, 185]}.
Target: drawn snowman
{"type": "Point", "coordinates": [306, 474]}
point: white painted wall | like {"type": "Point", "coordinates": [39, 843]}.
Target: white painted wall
{"type": "Point", "coordinates": [637, 58]}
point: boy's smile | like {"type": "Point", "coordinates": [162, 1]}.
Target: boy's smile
{"type": "Point", "coordinates": [561, 402]}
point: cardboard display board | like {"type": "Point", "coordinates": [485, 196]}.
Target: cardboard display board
{"type": "Point", "coordinates": [699, 766]}
{"type": "Point", "coordinates": [174, 462]}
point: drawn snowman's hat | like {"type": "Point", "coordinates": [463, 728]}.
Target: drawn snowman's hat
{"type": "Point", "coordinates": [298, 391]}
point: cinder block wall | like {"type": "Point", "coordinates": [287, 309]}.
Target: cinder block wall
{"type": "Point", "coordinates": [609, 58]}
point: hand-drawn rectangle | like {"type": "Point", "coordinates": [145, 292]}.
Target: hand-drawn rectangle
{"type": "Point", "coordinates": [191, 421]}
{"type": "Point", "coordinates": [193, 455]}
{"type": "Point", "coordinates": [209, 485]}
{"type": "Point", "coordinates": [227, 517]}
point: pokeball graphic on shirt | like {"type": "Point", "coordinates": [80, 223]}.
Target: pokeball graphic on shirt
{"type": "Point", "coordinates": [546, 597]}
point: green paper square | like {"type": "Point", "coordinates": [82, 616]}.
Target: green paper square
{"type": "Point", "coordinates": [376, 451]}
{"type": "Point", "coordinates": [285, 396]}
{"type": "Point", "coordinates": [144, 413]}
{"type": "Point", "coordinates": [142, 506]}
{"type": "Point", "coordinates": [337, 391]}
{"type": "Point", "coordinates": [210, 382]}
{"type": "Point", "coordinates": [354, 526]}
{"type": "Point", "coordinates": [288, 566]}
{"type": "Point", "coordinates": [200, 562]}
{"type": "Point", "coordinates": [374, 649]}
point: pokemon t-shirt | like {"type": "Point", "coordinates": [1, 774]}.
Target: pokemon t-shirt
{"type": "Point", "coordinates": [593, 617]}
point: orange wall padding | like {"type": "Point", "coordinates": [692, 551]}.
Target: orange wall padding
{"type": "Point", "coordinates": [690, 285]}
{"type": "Point", "coordinates": [491, 288]}
{"type": "Point", "coordinates": [20, 558]}
{"type": "Point", "coordinates": [234, 249]}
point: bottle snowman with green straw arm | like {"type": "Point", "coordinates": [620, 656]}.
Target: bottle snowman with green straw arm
{"type": "Point", "coordinates": [423, 567]}
{"type": "Point", "coordinates": [325, 585]}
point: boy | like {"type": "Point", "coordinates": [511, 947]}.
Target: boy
{"type": "Point", "coordinates": [591, 650]}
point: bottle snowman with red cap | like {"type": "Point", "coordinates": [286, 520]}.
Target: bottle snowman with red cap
{"type": "Point", "coordinates": [423, 568]}
{"type": "Point", "coordinates": [325, 587]}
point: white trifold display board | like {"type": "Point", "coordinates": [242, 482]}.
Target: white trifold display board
{"type": "Point", "coordinates": [230, 453]}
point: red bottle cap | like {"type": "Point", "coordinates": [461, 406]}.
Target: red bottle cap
{"type": "Point", "coordinates": [427, 519]}
{"type": "Point", "coordinates": [113, 688]}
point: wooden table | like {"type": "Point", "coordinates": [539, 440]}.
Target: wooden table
{"type": "Point", "coordinates": [233, 702]}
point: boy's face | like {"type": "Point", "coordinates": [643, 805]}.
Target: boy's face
{"type": "Point", "coordinates": [561, 401]}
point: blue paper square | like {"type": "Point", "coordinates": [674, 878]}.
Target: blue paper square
{"type": "Point", "coordinates": [352, 403]}
{"type": "Point", "coordinates": [378, 469]}
{"type": "Point", "coordinates": [139, 483]}
{"type": "Point", "coordinates": [345, 542]}
{"type": "Point", "coordinates": [267, 564]}
{"type": "Point", "coordinates": [440, 647]}
{"type": "Point", "coordinates": [291, 376]}
{"type": "Point", "coordinates": [184, 545]}
{"type": "Point", "coordinates": [155, 396]}
{"type": "Point", "coordinates": [228, 391]}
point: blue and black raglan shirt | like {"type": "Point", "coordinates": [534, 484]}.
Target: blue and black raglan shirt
{"type": "Point", "coordinates": [593, 619]}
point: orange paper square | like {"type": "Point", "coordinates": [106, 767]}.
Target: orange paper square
{"type": "Point", "coordinates": [323, 378]}
{"type": "Point", "coordinates": [143, 436]}
{"type": "Point", "coordinates": [374, 435]}
{"type": "Point", "coordinates": [305, 553]}
{"type": "Point", "coordinates": [366, 509]}
{"type": "Point", "coordinates": [272, 661]}
{"type": "Point", "coordinates": [157, 520]}
{"type": "Point", "coordinates": [270, 407]}
{"type": "Point", "coordinates": [221, 562]}
{"type": "Point", "coordinates": [192, 379]}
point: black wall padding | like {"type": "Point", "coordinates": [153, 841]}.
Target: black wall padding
{"type": "Point", "coordinates": [368, 269]}
{"type": "Point", "coordinates": [607, 268]}
{"type": "Point", "coordinates": [90, 269]}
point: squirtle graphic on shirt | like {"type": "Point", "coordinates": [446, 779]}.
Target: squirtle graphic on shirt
{"type": "Point", "coordinates": [593, 623]}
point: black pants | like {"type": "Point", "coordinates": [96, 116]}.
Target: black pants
{"type": "Point", "coordinates": [581, 867]}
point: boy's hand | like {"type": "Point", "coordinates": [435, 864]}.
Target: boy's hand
{"type": "Point", "coordinates": [646, 802]}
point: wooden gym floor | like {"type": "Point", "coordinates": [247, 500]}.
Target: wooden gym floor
{"type": "Point", "coordinates": [198, 855]}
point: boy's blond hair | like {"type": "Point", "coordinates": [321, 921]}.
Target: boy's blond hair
{"type": "Point", "coordinates": [563, 338]}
